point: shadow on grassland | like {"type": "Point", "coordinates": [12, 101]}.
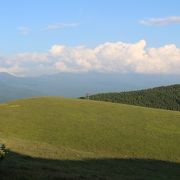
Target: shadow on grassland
{"type": "Point", "coordinates": [21, 167]}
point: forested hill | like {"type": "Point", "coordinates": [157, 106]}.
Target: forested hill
{"type": "Point", "coordinates": [165, 97]}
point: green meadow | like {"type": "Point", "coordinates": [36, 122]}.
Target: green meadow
{"type": "Point", "coordinates": [60, 138]}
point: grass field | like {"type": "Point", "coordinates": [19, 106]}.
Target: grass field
{"type": "Point", "coordinates": [58, 138]}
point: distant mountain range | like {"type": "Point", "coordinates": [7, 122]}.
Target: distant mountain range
{"type": "Point", "coordinates": [76, 85]}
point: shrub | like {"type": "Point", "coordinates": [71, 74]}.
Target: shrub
{"type": "Point", "coordinates": [2, 151]}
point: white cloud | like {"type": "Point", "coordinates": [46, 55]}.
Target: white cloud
{"type": "Point", "coordinates": [109, 57]}
{"type": "Point", "coordinates": [161, 21]}
{"type": "Point", "coordinates": [56, 50]}
{"type": "Point", "coordinates": [12, 70]}
{"type": "Point", "coordinates": [23, 30]}
{"type": "Point", "coordinates": [60, 26]}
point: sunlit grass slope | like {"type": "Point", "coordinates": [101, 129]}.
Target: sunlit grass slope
{"type": "Point", "coordinates": [72, 129]}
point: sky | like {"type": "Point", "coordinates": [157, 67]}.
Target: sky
{"type": "Point", "coordinates": [49, 36]}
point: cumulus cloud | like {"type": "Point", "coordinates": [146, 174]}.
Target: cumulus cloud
{"type": "Point", "coordinates": [110, 57]}
{"type": "Point", "coordinates": [56, 50]}
{"type": "Point", "coordinates": [161, 21]}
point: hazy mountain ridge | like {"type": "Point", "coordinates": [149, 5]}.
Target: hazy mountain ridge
{"type": "Point", "coordinates": [77, 84]}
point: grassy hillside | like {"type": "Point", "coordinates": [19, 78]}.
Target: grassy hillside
{"type": "Point", "coordinates": [165, 97]}
{"type": "Point", "coordinates": [57, 138]}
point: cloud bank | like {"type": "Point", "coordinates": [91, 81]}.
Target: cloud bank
{"type": "Point", "coordinates": [116, 57]}
{"type": "Point", "coordinates": [161, 21]}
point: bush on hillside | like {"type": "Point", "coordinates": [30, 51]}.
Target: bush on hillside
{"type": "Point", "coordinates": [2, 151]}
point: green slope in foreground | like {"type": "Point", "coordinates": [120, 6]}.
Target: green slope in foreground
{"type": "Point", "coordinates": [57, 138]}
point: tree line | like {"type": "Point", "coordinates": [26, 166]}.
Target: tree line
{"type": "Point", "coordinates": [165, 97]}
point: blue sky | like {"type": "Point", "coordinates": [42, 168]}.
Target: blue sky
{"type": "Point", "coordinates": [122, 36]}
{"type": "Point", "coordinates": [97, 21]}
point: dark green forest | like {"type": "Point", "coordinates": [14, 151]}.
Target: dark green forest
{"type": "Point", "coordinates": [165, 97]}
